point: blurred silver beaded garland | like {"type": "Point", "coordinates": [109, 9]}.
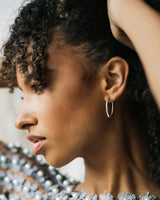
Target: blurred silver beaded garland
{"type": "Point", "coordinates": [55, 185]}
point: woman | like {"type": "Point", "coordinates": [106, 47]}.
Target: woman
{"type": "Point", "coordinates": [64, 58]}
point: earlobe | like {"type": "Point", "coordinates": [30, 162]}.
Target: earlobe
{"type": "Point", "coordinates": [116, 74]}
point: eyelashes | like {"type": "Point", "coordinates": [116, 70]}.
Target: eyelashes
{"type": "Point", "coordinates": [39, 87]}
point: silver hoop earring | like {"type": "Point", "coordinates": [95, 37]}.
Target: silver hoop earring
{"type": "Point", "coordinates": [107, 110]}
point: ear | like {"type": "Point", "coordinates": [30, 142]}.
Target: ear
{"type": "Point", "coordinates": [115, 73]}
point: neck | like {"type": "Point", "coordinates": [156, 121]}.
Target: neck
{"type": "Point", "coordinates": [118, 163]}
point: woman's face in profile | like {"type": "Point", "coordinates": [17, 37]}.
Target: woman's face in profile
{"type": "Point", "coordinates": [62, 120]}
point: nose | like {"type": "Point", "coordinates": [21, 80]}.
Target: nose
{"type": "Point", "coordinates": [25, 120]}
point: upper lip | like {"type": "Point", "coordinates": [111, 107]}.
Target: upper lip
{"type": "Point", "coordinates": [34, 138]}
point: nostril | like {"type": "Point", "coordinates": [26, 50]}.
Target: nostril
{"type": "Point", "coordinates": [26, 126]}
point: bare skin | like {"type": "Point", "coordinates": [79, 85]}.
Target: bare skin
{"type": "Point", "coordinates": [112, 163]}
{"type": "Point", "coordinates": [128, 16]}
{"type": "Point", "coordinates": [72, 117]}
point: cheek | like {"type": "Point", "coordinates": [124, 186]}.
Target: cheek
{"type": "Point", "coordinates": [70, 112]}
{"type": "Point", "coordinates": [68, 116]}
{"type": "Point", "coordinates": [63, 120]}
{"type": "Point", "coordinates": [63, 109]}
{"type": "Point", "coordinates": [65, 100]}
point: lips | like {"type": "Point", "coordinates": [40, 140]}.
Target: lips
{"type": "Point", "coordinates": [38, 143]}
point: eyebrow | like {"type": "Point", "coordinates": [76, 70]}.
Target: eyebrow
{"type": "Point", "coordinates": [28, 80]}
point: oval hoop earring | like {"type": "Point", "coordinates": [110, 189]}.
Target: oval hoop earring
{"type": "Point", "coordinates": [107, 109]}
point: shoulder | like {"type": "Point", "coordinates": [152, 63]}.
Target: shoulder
{"type": "Point", "coordinates": [24, 175]}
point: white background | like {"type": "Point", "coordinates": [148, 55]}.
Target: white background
{"type": "Point", "coordinates": [9, 103]}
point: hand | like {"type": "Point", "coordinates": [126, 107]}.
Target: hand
{"type": "Point", "coordinates": [114, 12]}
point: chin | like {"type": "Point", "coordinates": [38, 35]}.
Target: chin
{"type": "Point", "coordinates": [56, 161]}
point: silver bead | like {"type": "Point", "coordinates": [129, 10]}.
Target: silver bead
{"type": "Point", "coordinates": [27, 166]}
{"type": "Point", "coordinates": [18, 144]}
{"type": "Point", "coordinates": [71, 179]}
{"type": "Point", "coordinates": [126, 196]}
{"type": "Point", "coordinates": [69, 189]}
{"type": "Point", "coordinates": [147, 198]}
{"type": "Point", "coordinates": [59, 177]}
{"type": "Point", "coordinates": [65, 183]}
{"type": "Point", "coordinates": [55, 190]}
{"type": "Point", "coordinates": [58, 198]}
{"type": "Point", "coordinates": [38, 197]}
{"type": "Point", "coordinates": [48, 183]}
{"type": "Point", "coordinates": [25, 151]}
{"type": "Point", "coordinates": [3, 158]}
{"type": "Point", "coordinates": [26, 189]}
{"type": "Point", "coordinates": [40, 173]}
{"type": "Point", "coordinates": [10, 145]}
{"type": "Point", "coordinates": [15, 161]}
{"type": "Point", "coordinates": [7, 179]}
{"type": "Point", "coordinates": [75, 195]}
{"type": "Point", "coordinates": [88, 198]}
{"type": "Point", "coordinates": [51, 168]}
{"type": "Point", "coordinates": [39, 158]}
{"type": "Point", "coordinates": [15, 182]}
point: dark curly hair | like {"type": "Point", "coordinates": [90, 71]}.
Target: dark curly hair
{"type": "Point", "coordinates": [82, 24]}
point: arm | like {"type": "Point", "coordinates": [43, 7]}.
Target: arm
{"type": "Point", "coordinates": [140, 26]}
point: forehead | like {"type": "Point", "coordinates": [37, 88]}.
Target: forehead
{"type": "Point", "coordinates": [63, 59]}
{"type": "Point", "coordinates": [53, 52]}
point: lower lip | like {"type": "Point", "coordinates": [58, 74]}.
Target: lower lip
{"type": "Point", "coordinates": [38, 146]}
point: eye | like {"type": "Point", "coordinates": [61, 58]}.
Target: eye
{"type": "Point", "coordinates": [39, 87]}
